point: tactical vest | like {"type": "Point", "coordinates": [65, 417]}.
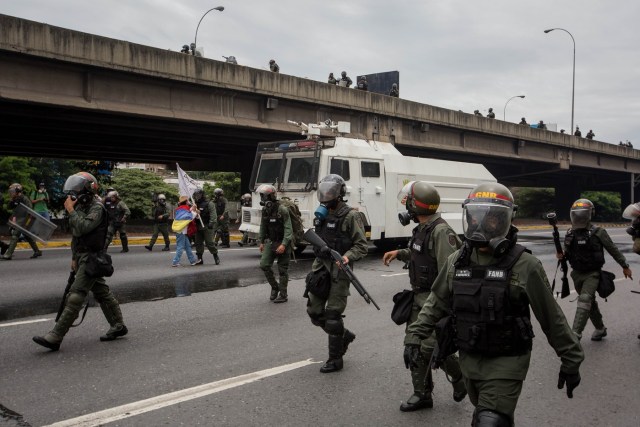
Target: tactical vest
{"type": "Point", "coordinates": [488, 321]}
{"type": "Point", "coordinates": [205, 214]}
{"type": "Point", "coordinates": [330, 229]}
{"type": "Point", "coordinates": [221, 204]}
{"type": "Point", "coordinates": [274, 222]}
{"type": "Point", "coordinates": [423, 268]}
{"type": "Point", "coordinates": [94, 240]}
{"type": "Point", "coordinates": [158, 211]}
{"type": "Point", "coordinates": [584, 250]}
{"type": "Point", "coordinates": [115, 212]}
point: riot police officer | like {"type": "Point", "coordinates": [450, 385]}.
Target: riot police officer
{"type": "Point", "coordinates": [488, 288]}
{"type": "Point", "coordinates": [160, 215]}
{"type": "Point", "coordinates": [584, 246]}
{"type": "Point", "coordinates": [276, 232]}
{"type": "Point", "coordinates": [394, 91]}
{"type": "Point", "coordinates": [491, 114]}
{"type": "Point", "coordinates": [118, 213]}
{"type": "Point", "coordinates": [17, 197]}
{"type": "Point", "coordinates": [88, 223]}
{"type": "Point", "coordinates": [273, 66]}
{"type": "Point", "coordinates": [222, 227]}
{"type": "Point", "coordinates": [345, 81]}
{"type": "Point", "coordinates": [341, 227]}
{"type": "Point", "coordinates": [205, 226]}
{"type": "Point", "coordinates": [362, 84]}
{"type": "Point", "coordinates": [577, 132]}
{"type": "Point", "coordinates": [245, 201]}
{"type": "Point", "coordinates": [632, 212]}
{"type": "Point", "coordinates": [431, 243]}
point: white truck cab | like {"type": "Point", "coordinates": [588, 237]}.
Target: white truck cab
{"type": "Point", "coordinates": [374, 173]}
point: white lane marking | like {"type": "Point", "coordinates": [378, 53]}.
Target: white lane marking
{"type": "Point", "coordinates": [164, 400]}
{"type": "Point", "coordinates": [391, 275]}
{"type": "Point", "coordinates": [24, 322]}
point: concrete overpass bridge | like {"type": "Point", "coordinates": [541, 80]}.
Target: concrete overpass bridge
{"type": "Point", "coordinates": [69, 94]}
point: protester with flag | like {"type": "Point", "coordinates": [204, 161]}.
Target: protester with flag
{"type": "Point", "coordinates": [184, 216]}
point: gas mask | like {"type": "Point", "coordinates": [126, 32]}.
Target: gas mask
{"type": "Point", "coordinates": [406, 217]}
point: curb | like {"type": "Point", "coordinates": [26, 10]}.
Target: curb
{"type": "Point", "coordinates": [132, 241]}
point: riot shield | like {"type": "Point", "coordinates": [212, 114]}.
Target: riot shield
{"type": "Point", "coordinates": [31, 223]}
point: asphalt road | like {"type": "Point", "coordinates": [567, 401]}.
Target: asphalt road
{"type": "Point", "coordinates": [230, 357]}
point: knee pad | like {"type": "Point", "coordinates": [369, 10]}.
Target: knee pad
{"type": "Point", "coordinates": [585, 301]}
{"type": "Point", "coordinates": [75, 299]}
{"type": "Point", "coordinates": [334, 324]}
{"type": "Point", "coordinates": [317, 319]}
{"type": "Point", "coordinates": [489, 418]}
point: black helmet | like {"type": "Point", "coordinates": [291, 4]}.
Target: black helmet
{"type": "Point", "coordinates": [268, 194]}
{"type": "Point", "coordinates": [15, 188]}
{"type": "Point", "coordinates": [272, 61]}
{"type": "Point", "coordinates": [198, 194]}
{"type": "Point", "coordinates": [331, 187]}
{"type": "Point", "coordinates": [490, 109]}
{"type": "Point", "coordinates": [487, 215]}
{"type": "Point", "coordinates": [344, 74]}
{"type": "Point", "coordinates": [581, 212]}
{"type": "Point", "coordinates": [82, 186]}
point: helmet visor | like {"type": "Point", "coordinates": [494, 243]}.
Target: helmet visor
{"type": "Point", "coordinates": [328, 191]}
{"type": "Point", "coordinates": [632, 211]}
{"type": "Point", "coordinates": [580, 217]}
{"type": "Point", "coordinates": [404, 194]}
{"type": "Point", "coordinates": [74, 184]}
{"type": "Point", "coordinates": [485, 221]}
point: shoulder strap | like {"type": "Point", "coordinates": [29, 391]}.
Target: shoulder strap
{"type": "Point", "coordinates": [511, 257]}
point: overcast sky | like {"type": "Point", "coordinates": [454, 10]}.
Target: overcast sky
{"type": "Point", "coordinates": [457, 54]}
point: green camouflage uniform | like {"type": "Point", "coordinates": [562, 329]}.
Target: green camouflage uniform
{"type": "Point", "coordinates": [443, 241]}
{"type": "Point", "coordinates": [118, 223]}
{"type": "Point", "coordinates": [269, 253]}
{"type": "Point", "coordinates": [83, 220]}
{"type": "Point", "coordinates": [222, 225]}
{"type": "Point", "coordinates": [586, 284]}
{"type": "Point", "coordinates": [160, 215]}
{"type": "Point", "coordinates": [495, 383]}
{"type": "Point", "coordinates": [15, 233]}
{"type": "Point", "coordinates": [205, 230]}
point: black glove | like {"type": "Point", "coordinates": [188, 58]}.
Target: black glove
{"type": "Point", "coordinates": [412, 356]}
{"type": "Point", "coordinates": [210, 226]}
{"type": "Point", "coordinates": [572, 380]}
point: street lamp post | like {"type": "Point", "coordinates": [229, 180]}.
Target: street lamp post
{"type": "Point", "coordinates": [573, 89]}
{"type": "Point", "coordinates": [504, 113]}
{"type": "Point", "coordinates": [195, 39]}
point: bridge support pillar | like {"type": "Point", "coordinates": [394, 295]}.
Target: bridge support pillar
{"type": "Point", "coordinates": [566, 194]}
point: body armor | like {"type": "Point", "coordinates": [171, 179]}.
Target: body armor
{"type": "Point", "coordinates": [584, 250]}
{"type": "Point", "coordinates": [330, 229]}
{"type": "Point", "coordinates": [115, 212]}
{"type": "Point", "coordinates": [487, 320]}
{"type": "Point", "coordinates": [203, 206]}
{"type": "Point", "coordinates": [275, 223]}
{"type": "Point", "coordinates": [423, 268]}
{"type": "Point", "coordinates": [220, 206]}
{"type": "Point", "coordinates": [160, 211]}
{"type": "Point", "coordinates": [94, 240]}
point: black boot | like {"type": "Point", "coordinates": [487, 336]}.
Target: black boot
{"type": "Point", "coordinates": [114, 332]}
{"type": "Point", "coordinates": [149, 247]}
{"type": "Point", "coordinates": [166, 248]}
{"type": "Point", "coordinates": [417, 401]}
{"type": "Point", "coordinates": [53, 346]}
{"type": "Point", "coordinates": [216, 258]}
{"type": "Point", "coordinates": [281, 298]}
{"type": "Point", "coordinates": [3, 248]}
{"type": "Point", "coordinates": [125, 244]}
{"type": "Point", "coordinates": [199, 261]}
{"type": "Point", "coordinates": [347, 339]}
{"type": "Point", "coordinates": [335, 355]}
{"type": "Point", "coordinates": [39, 253]}
{"type": "Point", "coordinates": [274, 294]}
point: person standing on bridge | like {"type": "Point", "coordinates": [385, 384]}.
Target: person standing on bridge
{"type": "Point", "coordinates": [277, 232]}
{"type": "Point", "coordinates": [341, 227]}
{"type": "Point", "coordinates": [362, 84]}
{"type": "Point", "coordinates": [205, 226]}
{"type": "Point", "coordinates": [345, 81]}
{"type": "Point", "coordinates": [523, 122]}
{"type": "Point", "coordinates": [481, 301]}
{"type": "Point", "coordinates": [17, 198]}
{"type": "Point", "coordinates": [432, 241]}
{"type": "Point", "coordinates": [88, 224]}
{"type": "Point", "coordinates": [332, 80]}
{"type": "Point", "coordinates": [160, 215]}
{"type": "Point", "coordinates": [477, 113]}
{"type": "Point", "coordinates": [584, 246]}
{"type": "Point", "coordinates": [118, 213]}
{"type": "Point", "coordinates": [491, 114]}
{"type": "Point", "coordinates": [590, 134]}
{"type": "Point", "coordinates": [394, 92]}
{"type": "Point", "coordinates": [273, 66]}
{"type": "Point", "coordinates": [577, 132]}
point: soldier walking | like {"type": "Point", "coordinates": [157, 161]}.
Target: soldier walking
{"type": "Point", "coordinates": [432, 241]}
{"type": "Point", "coordinates": [222, 227]}
{"type": "Point", "coordinates": [485, 292]}
{"type": "Point", "coordinates": [160, 215]}
{"type": "Point", "coordinates": [276, 233]}
{"type": "Point", "coordinates": [340, 226]}
{"type": "Point", "coordinates": [16, 198]}
{"type": "Point", "coordinates": [88, 223]}
{"type": "Point", "coordinates": [584, 246]}
{"type": "Point", "coordinates": [118, 213]}
{"type": "Point", "coordinates": [204, 228]}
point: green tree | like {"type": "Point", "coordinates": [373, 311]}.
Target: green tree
{"type": "Point", "coordinates": [533, 202]}
{"type": "Point", "coordinates": [228, 181]}
{"type": "Point", "coordinates": [607, 205]}
{"type": "Point", "coordinates": [136, 188]}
